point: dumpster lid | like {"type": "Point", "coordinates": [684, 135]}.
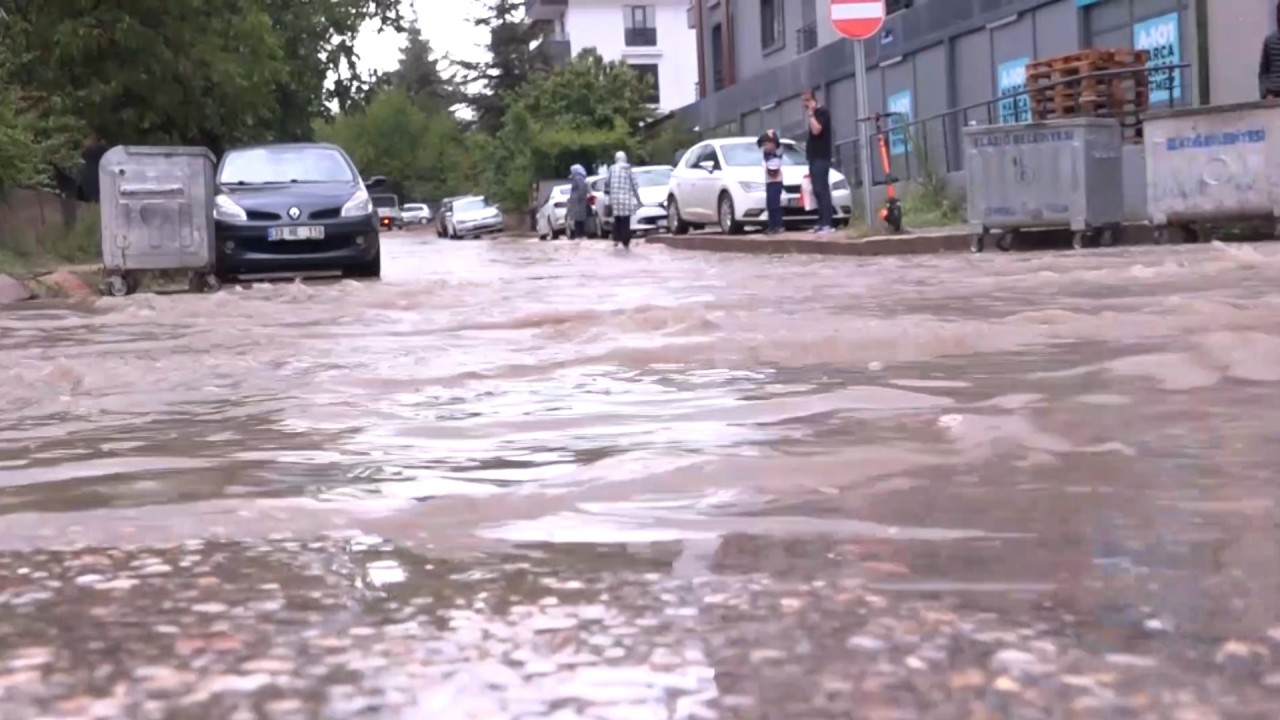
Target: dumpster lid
{"type": "Point", "coordinates": [1173, 112]}
{"type": "Point", "coordinates": [164, 150]}
{"type": "Point", "coordinates": [1042, 125]}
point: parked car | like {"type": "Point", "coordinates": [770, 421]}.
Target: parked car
{"type": "Point", "coordinates": [652, 181]}
{"type": "Point", "coordinates": [415, 214]}
{"type": "Point", "coordinates": [596, 184]}
{"type": "Point", "coordinates": [551, 222]}
{"type": "Point", "coordinates": [290, 208]}
{"type": "Point", "coordinates": [389, 215]}
{"type": "Point", "coordinates": [473, 216]}
{"type": "Point", "coordinates": [442, 216]}
{"type": "Point", "coordinates": [721, 182]}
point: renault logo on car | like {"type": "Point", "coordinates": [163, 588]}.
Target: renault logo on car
{"type": "Point", "coordinates": [294, 213]}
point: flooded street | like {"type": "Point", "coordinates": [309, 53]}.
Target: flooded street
{"type": "Point", "coordinates": [547, 480]}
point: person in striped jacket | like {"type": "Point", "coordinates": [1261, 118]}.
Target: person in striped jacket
{"type": "Point", "coordinates": [624, 199]}
{"type": "Point", "coordinates": [1269, 64]}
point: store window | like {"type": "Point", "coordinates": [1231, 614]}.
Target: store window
{"type": "Point", "coordinates": [1152, 25]}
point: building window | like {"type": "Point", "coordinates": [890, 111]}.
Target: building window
{"type": "Point", "coordinates": [641, 29]}
{"type": "Point", "coordinates": [771, 27]}
{"type": "Point", "coordinates": [807, 38]}
{"type": "Point", "coordinates": [717, 58]}
{"type": "Point", "coordinates": [649, 75]}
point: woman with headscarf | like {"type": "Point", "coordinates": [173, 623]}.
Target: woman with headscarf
{"type": "Point", "coordinates": [579, 206]}
{"type": "Point", "coordinates": [624, 199]}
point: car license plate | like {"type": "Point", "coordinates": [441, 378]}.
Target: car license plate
{"type": "Point", "coordinates": [296, 232]}
{"type": "Point", "coordinates": [793, 202]}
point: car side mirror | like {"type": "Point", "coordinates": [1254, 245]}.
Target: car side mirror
{"type": "Point", "coordinates": [375, 182]}
{"type": "Point", "coordinates": [708, 165]}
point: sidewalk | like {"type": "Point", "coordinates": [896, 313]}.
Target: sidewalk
{"type": "Point", "coordinates": [954, 238]}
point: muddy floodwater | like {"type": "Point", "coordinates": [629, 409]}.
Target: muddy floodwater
{"type": "Point", "coordinates": [549, 480]}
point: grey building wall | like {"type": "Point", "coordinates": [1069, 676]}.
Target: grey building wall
{"type": "Point", "coordinates": [1235, 29]}
{"type": "Point", "coordinates": [945, 53]}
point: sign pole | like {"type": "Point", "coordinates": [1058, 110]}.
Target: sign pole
{"type": "Point", "coordinates": [864, 130]}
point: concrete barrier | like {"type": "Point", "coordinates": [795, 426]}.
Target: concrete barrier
{"type": "Point", "coordinates": [13, 290]}
{"type": "Point", "coordinates": [943, 240]}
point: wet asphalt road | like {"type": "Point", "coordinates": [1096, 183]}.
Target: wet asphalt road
{"type": "Point", "coordinates": [548, 480]}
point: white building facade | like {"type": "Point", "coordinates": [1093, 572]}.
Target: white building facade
{"type": "Point", "coordinates": [653, 36]}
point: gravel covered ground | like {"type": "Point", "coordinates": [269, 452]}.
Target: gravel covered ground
{"type": "Point", "coordinates": [357, 627]}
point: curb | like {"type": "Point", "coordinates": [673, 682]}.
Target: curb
{"type": "Point", "coordinates": [918, 244]}
{"type": "Point", "coordinates": [921, 243]}
{"type": "Point", "coordinates": [73, 283]}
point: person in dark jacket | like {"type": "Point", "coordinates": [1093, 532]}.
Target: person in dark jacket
{"type": "Point", "coordinates": [579, 203]}
{"type": "Point", "coordinates": [818, 153]}
{"type": "Point", "coordinates": [1269, 64]}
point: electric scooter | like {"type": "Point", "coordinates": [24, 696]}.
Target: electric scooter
{"type": "Point", "coordinates": [891, 213]}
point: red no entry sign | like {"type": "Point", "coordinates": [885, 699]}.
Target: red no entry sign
{"type": "Point", "coordinates": [857, 19]}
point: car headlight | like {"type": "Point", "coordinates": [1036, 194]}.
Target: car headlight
{"type": "Point", "coordinates": [359, 204]}
{"type": "Point", "coordinates": [841, 184]}
{"type": "Point", "coordinates": [224, 208]}
{"type": "Point", "coordinates": [751, 187]}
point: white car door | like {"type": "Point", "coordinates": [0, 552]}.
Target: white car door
{"type": "Point", "coordinates": [684, 183]}
{"type": "Point", "coordinates": [708, 183]}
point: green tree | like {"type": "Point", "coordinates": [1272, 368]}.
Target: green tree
{"type": "Point", "coordinates": [514, 58]}
{"type": "Point", "coordinates": [588, 93]}
{"type": "Point", "coordinates": [36, 132]}
{"type": "Point", "coordinates": [583, 112]}
{"type": "Point", "coordinates": [419, 151]}
{"type": "Point", "coordinates": [420, 75]}
{"type": "Point", "coordinates": [211, 72]}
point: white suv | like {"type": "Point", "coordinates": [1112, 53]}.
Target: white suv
{"type": "Point", "coordinates": [721, 182]}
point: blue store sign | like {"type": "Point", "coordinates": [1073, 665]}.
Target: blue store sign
{"type": "Point", "coordinates": [900, 104]}
{"type": "Point", "coordinates": [1162, 38]}
{"type": "Point", "coordinates": [1011, 82]}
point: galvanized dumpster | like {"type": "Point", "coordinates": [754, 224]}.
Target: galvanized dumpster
{"type": "Point", "coordinates": [157, 214]}
{"type": "Point", "coordinates": [1212, 163]}
{"type": "Point", "coordinates": [1058, 174]}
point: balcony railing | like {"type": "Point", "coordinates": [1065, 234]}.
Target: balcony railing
{"type": "Point", "coordinates": [556, 49]}
{"type": "Point", "coordinates": [807, 38]}
{"type": "Point", "coordinates": [641, 36]}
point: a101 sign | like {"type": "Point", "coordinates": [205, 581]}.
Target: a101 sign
{"type": "Point", "coordinates": [857, 19]}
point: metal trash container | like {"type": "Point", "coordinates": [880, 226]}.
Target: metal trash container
{"type": "Point", "coordinates": [157, 214]}
{"type": "Point", "coordinates": [1212, 163]}
{"type": "Point", "coordinates": [1043, 175]}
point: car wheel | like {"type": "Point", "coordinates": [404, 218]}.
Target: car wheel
{"type": "Point", "coordinates": [728, 224]}
{"type": "Point", "coordinates": [371, 269]}
{"type": "Point", "coordinates": [675, 225]}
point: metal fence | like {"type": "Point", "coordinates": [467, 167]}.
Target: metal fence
{"type": "Point", "coordinates": [933, 145]}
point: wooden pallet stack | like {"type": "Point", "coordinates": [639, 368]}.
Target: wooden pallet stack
{"type": "Point", "coordinates": [1069, 86]}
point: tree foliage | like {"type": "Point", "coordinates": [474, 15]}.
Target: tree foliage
{"type": "Point", "coordinates": [419, 151]}
{"type": "Point", "coordinates": [37, 132]}
{"type": "Point", "coordinates": [514, 58]}
{"type": "Point", "coordinates": [420, 74]}
{"type": "Point", "coordinates": [209, 72]}
{"type": "Point", "coordinates": [583, 112]}
{"type": "Point", "coordinates": [588, 93]}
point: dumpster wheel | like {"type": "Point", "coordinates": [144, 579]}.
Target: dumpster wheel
{"type": "Point", "coordinates": [1005, 241]}
{"type": "Point", "coordinates": [120, 285]}
{"type": "Point", "coordinates": [1106, 237]}
{"type": "Point", "coordinates": [978, 243]}
{"type": "Point", "coordinates": [204, 283]}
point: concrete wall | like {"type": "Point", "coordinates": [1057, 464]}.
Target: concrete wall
{"type": "Point", "coordinates": [1236, 29]}
{"type": "Point", "coordinates": [27, 215]}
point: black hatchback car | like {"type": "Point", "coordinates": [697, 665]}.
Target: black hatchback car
{"type": "Point", "coordinates": [295, 208]}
